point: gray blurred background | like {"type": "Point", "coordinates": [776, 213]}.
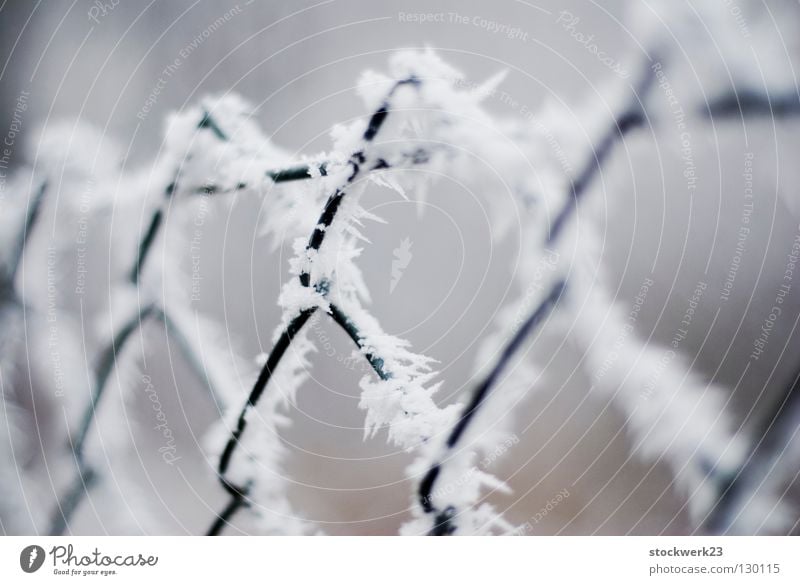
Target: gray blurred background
{"type": "Point", "coordinates": [298, 63]}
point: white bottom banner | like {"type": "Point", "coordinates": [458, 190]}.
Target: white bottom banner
{"type": "Point", "coordinates": [394, 560]}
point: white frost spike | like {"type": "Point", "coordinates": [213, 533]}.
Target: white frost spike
{"type": "Point", "coordinates": [401, 259]}
{"type": "Point", "coordinates": [384, 179]}
{"type": "Point", "coordinates": [489, 87]}
{"type": "Point", "coordinates": [403, 402]}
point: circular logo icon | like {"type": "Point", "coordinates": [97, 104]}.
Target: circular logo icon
{"type": "Point", "coordinates": [31, 558]}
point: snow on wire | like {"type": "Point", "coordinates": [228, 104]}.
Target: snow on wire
{"type": "Point", "coordinates": [421, 118]}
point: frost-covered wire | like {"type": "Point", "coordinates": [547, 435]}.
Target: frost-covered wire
{"type": "Point", "coordinates": [747, 502]}
{"type": "Point", "coordinates": [216, 149]}
{"type": "Point", "coordinates": [437, 513]}
{"type": "Point", "coordinates": [204, 363]}
{"type": "Point", "coordinates": [484, 517]}
{"type": "Point", "coordinates": [702, 457]}
{"type": "Point", "coordinates": [18, 231]}
{"type": "Point", "coordinates": [33, 208]}
{"type": "Point", "coordinates": [86, 475]}
{"type": "Point", "coordinates": [302, 298]}
{"type": "Point", "coordinates": [426, 128]}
